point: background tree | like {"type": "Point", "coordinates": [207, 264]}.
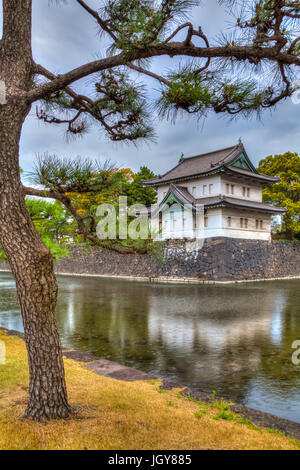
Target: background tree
{"type": "Point", "coordinates": [53, 224]}
{"type": "Point", "coordinates": [80, 186]}
{"type": "Point", "coordinates": [225, 76]}
{"type": "Point", "coordinates": [285, 193]}
{"type": "Point", "coordinates": [115, 182]}
{"type": "Point", "coordinates": [139, 194]}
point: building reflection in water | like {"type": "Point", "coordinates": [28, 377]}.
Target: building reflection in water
{"type": "Point", "coordinates": [235, 339]}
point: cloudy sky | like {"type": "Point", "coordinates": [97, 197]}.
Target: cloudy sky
{"type": "Point", "coordinates": [64, 36]}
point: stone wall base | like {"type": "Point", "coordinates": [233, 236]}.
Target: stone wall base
{"type": "Point", "coordinates": [220, 259]}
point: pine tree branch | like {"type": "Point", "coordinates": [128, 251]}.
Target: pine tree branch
{"type": "Point", "coordinates": [97, 17]}
{"type": "Point", "coordinates": [60, 82]}
{"type": "Point", "coordinates": [294, 44]}
{"type": "Point", "coordinates": [240, 53]}
{"type": "Point", "coordinates": [83, 229]}
{"type": "Point", "coordinates": [149, 73]}
{"type": "Point", "coordinates": [121, 117]}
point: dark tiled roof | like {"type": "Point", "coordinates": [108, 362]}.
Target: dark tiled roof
{"type": "Point", "coordinates": [182, 194]}
{"type": "Point", "coordinates": [240, 203]}
{"type": "Point", "coordinates": [196, 165]}
{"type": "Point", "coordinates": [204, 164]}
{"type": "Point", "coordinates": [259, 176]}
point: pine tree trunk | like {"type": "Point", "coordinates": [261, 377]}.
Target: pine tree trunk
{"type": "Point", "coordinates": [29, 258]}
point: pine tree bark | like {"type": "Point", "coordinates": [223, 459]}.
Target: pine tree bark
{"type": "Point", "coordinates": [29, 258]}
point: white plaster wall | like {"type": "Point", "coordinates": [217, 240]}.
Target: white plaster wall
{"type": "Point", "coordinates": [161, 191]}
{"type": "Point", "coordinates": [215, 189]}
{"type": "Point", "coordinates": [250, 233]}
{"type": "Point", "coordinates": [215, 221]}
{"type": "Point", "coordinates": [217, 218]}
{"type": "Point", "coordinates": [255, 189]}
{"type": "Point", "coordinates": [218, 187]}
{"type": "Point", "coordinates": [215, 181]}
{"type": "Point", "coordinates": [217, 224]}
{"type": "Point", "coordinates": [180, 229]}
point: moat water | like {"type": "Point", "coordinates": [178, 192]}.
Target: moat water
{"type": "Point", "coordinates": [235, 339]}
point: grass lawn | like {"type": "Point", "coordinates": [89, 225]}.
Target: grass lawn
{"type": "Point", "coordinates": [113, 414]}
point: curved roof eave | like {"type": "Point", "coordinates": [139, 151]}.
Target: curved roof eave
{"type": "Point", "coordinates": [222, 169]}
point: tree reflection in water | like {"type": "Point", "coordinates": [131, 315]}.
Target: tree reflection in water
{"type": "Point", "coordinates": [235, 339]}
